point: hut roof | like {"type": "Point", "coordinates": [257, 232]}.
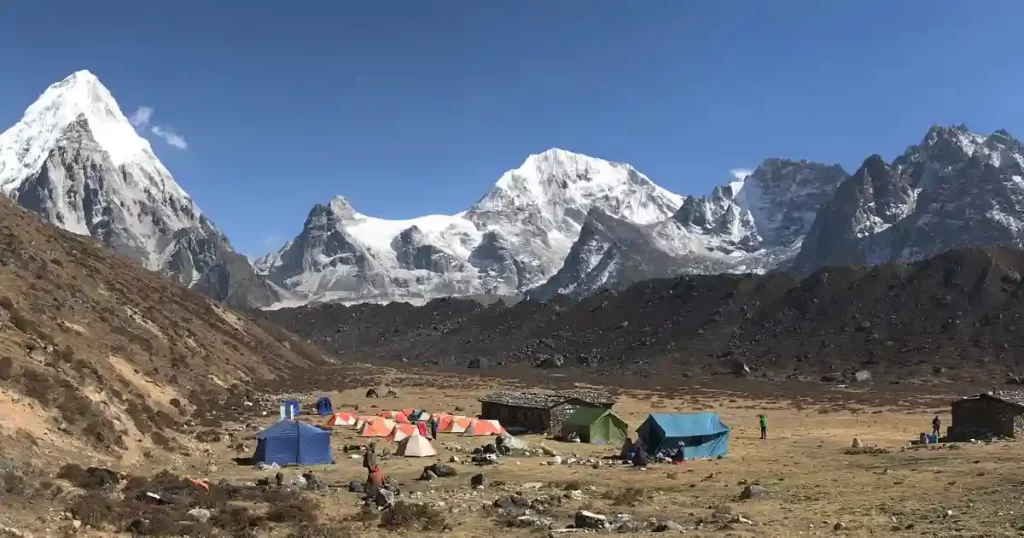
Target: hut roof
{"type": "Point", "coordinates": [545, 400]}
{"type": "Point", "coordinates": [1012, 397]}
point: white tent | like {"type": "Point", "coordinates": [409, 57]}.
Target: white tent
{"type": "Point", "coordinates": [415, 446]}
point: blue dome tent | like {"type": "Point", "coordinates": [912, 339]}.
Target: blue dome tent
{"type": "Point", "coordinates": [289, 442]}
{"type": "Point", "coordinates": [324, 406]}
{"type": "Point", "coordinates": [704, 434]}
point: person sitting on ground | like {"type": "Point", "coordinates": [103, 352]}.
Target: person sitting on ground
{"type": "Point", "coordinates": [640, 457]}
{"type": "Point", "coordinates": [679, 456]}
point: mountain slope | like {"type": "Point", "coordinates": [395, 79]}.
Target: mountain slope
{"type": "Point", "coordinates": [76, 160]}
{"type": "Point", "coordinates": [754, 224]}
{"type": "Point", "coordinates": [100, 358]}
{"type": "Point", "coordinates": [513, 239]}
{"type": "Point", "coordinates": [959, 311]}
{"type": "Point", "coordinates": [954, 189]}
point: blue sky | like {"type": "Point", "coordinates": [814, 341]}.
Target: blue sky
{"type": "Point", "coordinates": [417, 107]}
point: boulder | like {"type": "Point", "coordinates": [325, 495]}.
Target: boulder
{"type": "Point", "coordinates": [590, 520]}
{"type": "Point", "coordinates": [201, 515]}
{"type": "Point", "coordinates": [669, 526]}
{"type": "Point", "coordinates": [752, 491]}
{"type": "Point", "coordinates": [862, 376]}
{"type": "Point", "coordinates": [478, 481]}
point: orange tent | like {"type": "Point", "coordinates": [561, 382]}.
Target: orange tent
{"type": "Point", "coordinates": [342, 419]}
{"type": "Point", "coordinates": [455, 425]}
{"type": "Point", "coordinates": [397, 416]}
{"type": "Point", "coordinates": [480, 427]}
{"type": "Point", "coordinates": [375, 428]}
{"type": "Point", "coordinates": [401, 431]}
{"type": "Point", "coordinates": [408, 411]}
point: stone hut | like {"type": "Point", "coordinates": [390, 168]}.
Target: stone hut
{"type": "Point", "coordinates": [537, 411]}
{"type": "Point", "coordinates": [988, 415]}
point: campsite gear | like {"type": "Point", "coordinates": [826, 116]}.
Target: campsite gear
{"type": "Point", "coordinates": [378, 427]}
{"type": "Point", "coordinates": [595, 425]}
{"type": "Point", "coordinates": [342, 419]}
{"type": "Point", "coordinates": [291, 408]}
{"type": "Point", "coordinates": [679, 455]}
{"type": "Point", "coordinates": [415, 446]}
{"type": "Point", "coordinates": [479, 427]}
{"type": "Point", "coordinates": [704, 434]}
{"type": "Point", "coordinates": [370, 457]}
{"type": "Point", "coordinates": [289, 442]}
{"type": "Point", "coordinates": [400, 432]}
{"type": "Point", "coordinates": [324, 406]}
{"type": "Point", "coordinates": [453, 424]}
{"type": "Point", "coordinates": [764, 426]}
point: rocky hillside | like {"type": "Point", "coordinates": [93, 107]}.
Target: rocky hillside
{"type": "Point", "coordinates": [77, 161]}
{"type": "Point", "coordinates": [101, 357]}
{"type": "Point", "coordinates": [957, 312]}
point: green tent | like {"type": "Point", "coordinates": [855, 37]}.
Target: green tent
{"type": "Point", "coordinates": [595, 425]}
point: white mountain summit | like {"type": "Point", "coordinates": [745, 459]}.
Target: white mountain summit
{"type": "Point", "coordinates": [76, 160]}
{"type": "Point", "coordinates": [513, 239]}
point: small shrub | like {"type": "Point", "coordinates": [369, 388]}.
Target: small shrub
{"type": "Point", "coordinates": [631, 496]}
{"type": "Point", "coordinates": [409, 515]}
{"type": "Point", "coordinates": [208, 436]}
{"type": "Point", "coordinates": [66, 354]}
{"type": "Point", "coordinates": [291, 508]}
{"type": "Point", "coordinates": [21, 322]}
{"type": "Point", "coordinates": [94, 508]}
{"type": "Point", "coordinates": [323, 530]}
{"type": "Point", "coordinates": [6, 368]}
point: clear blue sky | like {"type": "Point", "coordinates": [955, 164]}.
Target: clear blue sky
{"type": "Point", "coordinates": [417, 107]}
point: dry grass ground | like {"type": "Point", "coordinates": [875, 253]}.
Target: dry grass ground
{"type": "Point", "coordinates": [812, 483]}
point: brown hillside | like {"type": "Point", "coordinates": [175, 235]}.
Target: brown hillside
{"type": "Point", "coordinates": [955, 315]}
{"type": "Point", "coordinates": [101, 357]}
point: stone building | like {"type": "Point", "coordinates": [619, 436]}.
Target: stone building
{"type": "Point", "coordinates": [988, 415]}
{"type": "Point", "coordinates": [537, 411]}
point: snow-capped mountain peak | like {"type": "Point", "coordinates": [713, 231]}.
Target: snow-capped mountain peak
{"type": "Point", "coordinates": [558, 178]}
{"type": "Point", "coordinates": [81, 95]}
{"type": "Point", "coordinates": [77, 161]}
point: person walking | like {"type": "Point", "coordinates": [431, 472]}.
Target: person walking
{"type": "Point", "coordinates": [764, 425]}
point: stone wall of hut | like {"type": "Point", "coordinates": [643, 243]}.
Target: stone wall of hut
{"type": "Point", "coordinates": [984, 418]}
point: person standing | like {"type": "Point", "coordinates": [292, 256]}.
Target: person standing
{"type": "Point", "coordinates": [764, 425]}
{"type": "Point", "coordinates": [936, 426]}
{"type": "Point", "coordinates": [370, 457]}
{"type": "Point", "coordinates": [434, 423]}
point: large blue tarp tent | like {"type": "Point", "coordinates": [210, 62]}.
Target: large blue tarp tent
{"type": "Point", "coordinates": [704, 434]}
{"type": "Point", "coordinates": [291, 408]}
{"type": "Point", "coordinates": [291, 442]}
{"type": "Point", "coordinates": [324, 406]}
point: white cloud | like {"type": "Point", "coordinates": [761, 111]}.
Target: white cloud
{"type": "Point", "coordinates": [141, 120]}
{"type": "Point", "coordinates": [141, 116]}
{"type": "Point", "coordinates": [169, 136]}
{"type": "Point", "coordinates": [740, 173]}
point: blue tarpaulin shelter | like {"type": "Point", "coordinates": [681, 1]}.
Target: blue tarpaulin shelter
{"type": "Point", "coordinates": [290, 442]}
{"type": "Point", "coordinates": [291, 408]}
{"type": "Point", "coordinates": [704, 434]}
{"type": "Point", "coordinates": [324, 406]}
